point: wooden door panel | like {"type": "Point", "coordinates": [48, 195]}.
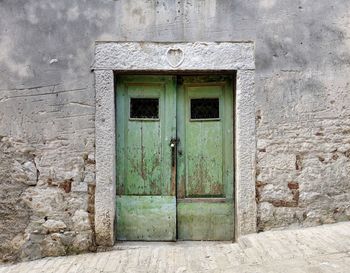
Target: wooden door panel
{"type": "Point", "coordinates": [202, 221]}
{"type": "Point", "coordinates": [205, 162]}
{"type": "Point", "coordinates": [146, 202]}
{"type": "Point", "coordinates": [146, 218]}
{"type": "Point", "coordinates": [204, 144]}
{"type": "Point", "coordinates": [143, 159]}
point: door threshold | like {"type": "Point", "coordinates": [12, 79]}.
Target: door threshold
{"type": "Point", "coordinates": [124, 245]}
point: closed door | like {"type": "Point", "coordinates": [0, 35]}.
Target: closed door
{"type": "Point", "coordinates": [146, 202]}
{"type": "Point", "coordinates": [205, 158]}
{"type": "Point", "coordinates": [174, 158]}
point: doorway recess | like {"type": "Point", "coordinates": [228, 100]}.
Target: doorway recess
{"type": "Point", "coordinates": [116, 58]}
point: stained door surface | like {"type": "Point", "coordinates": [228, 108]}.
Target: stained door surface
{"type": "Point", "coordinates": [205, 158]}
{"type": "Point", "coordinates": [146, 204]}
{"type": "Point", "coordinates": [174, 158]}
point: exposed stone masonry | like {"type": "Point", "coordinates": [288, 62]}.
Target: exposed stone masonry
{"type": "Point", "coordinates": [41, 213]}
{"type": "Point", "coordinates": [303, 166]}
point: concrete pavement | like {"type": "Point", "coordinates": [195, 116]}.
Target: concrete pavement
{"type": "Point", "coordinates": [320, 249]}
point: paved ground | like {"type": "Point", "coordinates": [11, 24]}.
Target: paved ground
{"type": "Point", "coordinates": [313, 250]}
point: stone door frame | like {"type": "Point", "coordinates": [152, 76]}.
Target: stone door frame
{"type": "Point", "coordinates": [155, 57]}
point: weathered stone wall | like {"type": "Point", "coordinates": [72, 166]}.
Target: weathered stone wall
{"type": "Point", "coordinates": [44, 204]}
{"type": "Point", "coordinates": [303, 124]}
{"type": "Point", "coordinates": [304, 150]}
{"type": "Point", "coordinates": [47, 108]}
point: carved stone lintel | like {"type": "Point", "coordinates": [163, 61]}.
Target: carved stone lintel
{"type": "Point", "coordinates": [175, 56]}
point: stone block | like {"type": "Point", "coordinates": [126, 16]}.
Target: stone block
{"type": "Point", "coordinates": [54, 226]}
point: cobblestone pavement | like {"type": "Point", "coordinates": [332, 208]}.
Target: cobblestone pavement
{"type": "Point", "coordinates": [320, 249]}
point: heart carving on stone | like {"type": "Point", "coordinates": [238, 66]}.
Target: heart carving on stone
{"type": "Point", "coordinates": [175, 56]}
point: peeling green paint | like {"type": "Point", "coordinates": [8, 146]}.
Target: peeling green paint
{"type": "Point", "coordinates": [146, 205]}
{"type": "Point", "coordinates": [203, 167]}
{"type": "Point", "coordinates": [146, 218]}
{"type": "Point", "coordinates": [205, 221]}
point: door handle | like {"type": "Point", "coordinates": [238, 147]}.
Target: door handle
{"type": "Point", "coordinates": [173, 143]}
{"type": "Point", "coordinates": [173, 146]}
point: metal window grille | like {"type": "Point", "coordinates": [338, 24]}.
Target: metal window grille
{"type": "Point", "coordinates": [205, 108]}
{"type": "Point", "coordinates": [147, 108]}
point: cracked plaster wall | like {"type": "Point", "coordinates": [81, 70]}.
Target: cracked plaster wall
{"type": "Point", "coordinates": [47, 108]}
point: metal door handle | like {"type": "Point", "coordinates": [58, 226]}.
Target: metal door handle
{"type": "Point", "coordinates": [173, 143]}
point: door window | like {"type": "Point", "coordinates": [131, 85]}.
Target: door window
{"type": "Point", "coordinates": [144, 108]}
{"type": "Point", "coordinates": [207, 108]}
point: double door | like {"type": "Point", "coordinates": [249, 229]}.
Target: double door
{"type": "Point", "coordinates": [174, 158]}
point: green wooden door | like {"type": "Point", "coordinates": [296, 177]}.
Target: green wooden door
{"type": "Point", "coordinates": [174, 158]}
{"type": "Point", "coordinates": [146, 202]}
{"type": "Point", "coordinates": [205, 158]}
